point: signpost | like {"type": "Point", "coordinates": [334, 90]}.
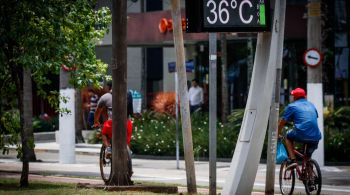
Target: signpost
{"type": "Point", "coordinates": [212, 111]}
{"type": "Point", "coordinates": [312, 57]}
{"type": "Point", "coordinates": [171, 69]}
{"type": "Point", "coordinates": [236, 16]}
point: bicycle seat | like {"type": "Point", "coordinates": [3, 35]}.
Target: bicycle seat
{"type": "Point", "coordinates": [310, 147]}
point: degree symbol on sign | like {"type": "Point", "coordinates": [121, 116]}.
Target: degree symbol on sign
{"type": "Point", "coordinates": [312, 57]}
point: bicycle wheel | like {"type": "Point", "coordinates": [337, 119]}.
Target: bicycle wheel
{"type": "Point", "coordinates": [129, 162]}
{"type": "Point", "coordinates": [105, 165]}
{"type": "Point", "coordinates": [313, 182]}
{"type": "Point", "coordinates": [286, 179]}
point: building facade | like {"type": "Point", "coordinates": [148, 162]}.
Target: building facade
{"type": "Point", "coordinates": [151, 50]}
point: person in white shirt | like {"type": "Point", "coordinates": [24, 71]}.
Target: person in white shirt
{"type": "Point", "coordinates": [195, 96]}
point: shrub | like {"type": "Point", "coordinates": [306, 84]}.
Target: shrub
{"type": "Point", "coordinates": [95, 138]}
{"type": "Point", "coordinates": [44, 124]}
{"type": "Point", "coordinates": [9, 129]}
{"type": "Point", "coordinates": [154, 134]}
{"type": "Point", "coordinates": [164, 102]}
{"type": "Point", "coordinates": [337, 135]}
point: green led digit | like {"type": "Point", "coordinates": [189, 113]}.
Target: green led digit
{"type": "Point", "coordinates": [262, 14]}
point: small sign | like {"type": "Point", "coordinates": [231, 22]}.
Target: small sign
{"type": "Point", "coordinates": [189, 66]}
{"type": "Point", "coordinates": [312, 57]}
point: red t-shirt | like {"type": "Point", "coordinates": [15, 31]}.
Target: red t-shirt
{"type": "Point", "coordinates": [107, 130]}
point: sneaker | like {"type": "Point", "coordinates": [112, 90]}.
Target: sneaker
{"type": "Point", "coordinates": [108, 152]}
{"type": "Point", "coordinates": [291, 164]}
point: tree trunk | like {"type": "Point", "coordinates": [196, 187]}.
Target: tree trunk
{"type": "Point", "coordinates": [78, 118]}
{"type": "Point", "coordinates": [120, 175]}
{"type": "Point", "coordinates": [224, 90]}
{"type": "Point", "coordinates": [26, 112]}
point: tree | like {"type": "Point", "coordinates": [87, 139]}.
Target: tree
{"type": "Point", "coordinates": [78, 118]}
{"type": "Point", "coordinates": [36, 38]}
{"type": "Point", "coordinates": [120, 175]}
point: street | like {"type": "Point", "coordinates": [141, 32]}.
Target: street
{"type": "Point", "coordinates": [336, 180]}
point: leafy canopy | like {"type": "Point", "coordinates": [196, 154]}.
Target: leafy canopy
{"type": "Point", "coordinates": [41, 35]}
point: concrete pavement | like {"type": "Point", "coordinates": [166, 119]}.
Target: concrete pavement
{"type": "Point", "coordinates": [336, 180]}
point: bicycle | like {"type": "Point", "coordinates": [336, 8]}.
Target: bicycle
{"type": "Point", "coordinates": [105, 165]}
{"type": "Point", "coordinates": [105, 162]}
{"type": "Point", "coordinates": [308, 172]}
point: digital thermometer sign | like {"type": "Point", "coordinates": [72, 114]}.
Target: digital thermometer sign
{"type": "Point", "coordinates": [228, 15]}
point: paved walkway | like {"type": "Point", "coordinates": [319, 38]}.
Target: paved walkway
{"type": "Point", "coordinates": [336, 180]}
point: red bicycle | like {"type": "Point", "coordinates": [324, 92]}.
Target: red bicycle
{"type": "Point", "coordinates": [105, 161]}
{"type": "Point", "coordinates": [308, 172]}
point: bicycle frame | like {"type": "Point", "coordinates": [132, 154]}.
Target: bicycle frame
{"type": "Point", "coordinates": [307, 171]}
{"type": "Point", "coordinates": [301, 172]}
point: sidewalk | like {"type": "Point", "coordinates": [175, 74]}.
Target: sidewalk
{"type": "Point", "coordinates": [336, 180]}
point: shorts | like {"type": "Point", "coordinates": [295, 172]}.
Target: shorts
{"type": "Point", "coordinates": [312, 145]}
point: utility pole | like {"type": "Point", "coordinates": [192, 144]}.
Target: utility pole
{"type": "Point", "coordinates": [314, 74]}
{"type": "Point", "coordinates": [183, 94]}
{"type": "Point", "coordinates": [275, 105]}
{"type": "Point", "coordinates": [119, 175]}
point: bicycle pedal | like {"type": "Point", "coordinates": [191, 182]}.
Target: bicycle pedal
{"type": "Point", "coordinates": [311, 188]}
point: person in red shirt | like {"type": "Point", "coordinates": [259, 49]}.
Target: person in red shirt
{"type": "Point", "coordinates": [105, 104]}
{"type": "Point", "coordinates": [107, 132]}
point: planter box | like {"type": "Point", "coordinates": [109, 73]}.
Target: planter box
{"type": "Point", "coordinates": [44, 136]}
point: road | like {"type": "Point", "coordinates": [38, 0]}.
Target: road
{"type": "Point", "coordinates": [336, 180]}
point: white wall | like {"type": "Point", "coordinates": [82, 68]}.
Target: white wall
{"type": "Point", "coordinates": [169, 56]}
{"type": "Point", "coordinates": [167, 4]}
{"type": "Point", "coordinates": [133, 7]}
{"type": "Point", "coordinates": [168, 78]}
{"type": "Point", "coordinates": [134, 68]}
{"type": "Point", "coordinates": [107, 39]}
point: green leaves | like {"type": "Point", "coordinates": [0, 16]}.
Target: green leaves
{"type": "Point", "coordinates": [337, 134]}
{"type": "Point", "coordinates": [43, 35]}
{"type": "Point", "coordinates": [9, 129]}
{"type": "Point", "coordinates": [154, 134]}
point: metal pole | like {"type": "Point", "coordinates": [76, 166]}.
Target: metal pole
{"type": "Point", "coordinates": [274, 112]}
{"type": "Point", "coordinates": [177, 121]}
{"type": "Point", "coordinates": [212, 112]}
